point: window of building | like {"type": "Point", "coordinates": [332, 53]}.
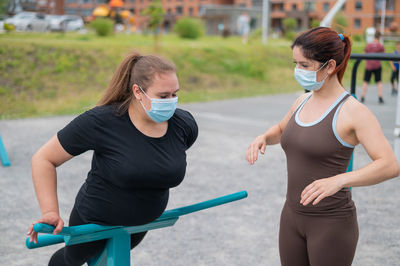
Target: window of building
{"type": "Point", "coordinates": [390, 4]}
{"type": "Point", "coordinates": [179, 10]}
{"type": "Point", "coordinates": [85, 1]}
{"type": "Point", "coordinates": [358, 6]}
{"type": "Point", "coordinates": [169, 11]}
{"type": "Point", "coordinates": [132, 10]}
{"type": "Point", "coordinates": [294, 7]}
{"type": "Point", "coordinates": [309, 6]}
{"type": "Point", "coordinates": [86, 12]}
{"type": "Point", "coordinates": [277, 7]}
{"type": "Point", "coordinates": [388, 20]}
{"type": "Point", "coordinates": [325, 7]}
{"type": "Point", "coordinates": [190, 11]}
{"type": "Point", "coordinates": [357, 23]}
{"type": "Point", "coordinates": [71, 11]}
{"type": "Point", "coordinates": [344, 7]}
{"type": "Point", "coordinates": [132, 1]}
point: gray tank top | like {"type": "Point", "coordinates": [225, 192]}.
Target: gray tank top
{"type": "Point", "coordinates": [315, 151]}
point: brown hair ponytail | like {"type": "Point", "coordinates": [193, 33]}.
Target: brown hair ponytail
{"type": "Point", "coordinates": [134, 69]}
{"type": "Point", "coordinates": [322, 44]}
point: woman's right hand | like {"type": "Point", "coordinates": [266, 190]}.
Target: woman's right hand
{"type": "Point", "coordinates": [258, 144]}
{"type": "Point", "coordinates": [51, 218]}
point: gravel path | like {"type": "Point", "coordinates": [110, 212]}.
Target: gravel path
{"type": "Point", "coordinates": [239, 233]}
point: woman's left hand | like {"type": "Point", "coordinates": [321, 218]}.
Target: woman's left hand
{"type": "Point", "coordinates": [320, 189]}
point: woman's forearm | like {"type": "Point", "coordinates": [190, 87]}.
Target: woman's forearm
{"type": "Point", "coordinates": [44, 178]}
{"type": "Point", "coordinates": [376, 172]}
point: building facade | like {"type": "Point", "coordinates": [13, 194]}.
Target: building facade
{"type": "Point", "coordinates": [360, 14]}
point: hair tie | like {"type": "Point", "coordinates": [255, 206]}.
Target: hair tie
{"type": "Point", "coordinates": [341, 36]}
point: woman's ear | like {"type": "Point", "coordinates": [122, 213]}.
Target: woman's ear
{"type": "Point", "coordinates": [137, 93]}
{"type": "Point", "coordinates": [331, 66]}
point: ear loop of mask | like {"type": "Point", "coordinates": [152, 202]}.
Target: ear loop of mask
{"type": "Point", "coordinates": [327, 74]}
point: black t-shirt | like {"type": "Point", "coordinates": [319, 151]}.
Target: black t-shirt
{"type": "Point", "coordinates": [131, 173]}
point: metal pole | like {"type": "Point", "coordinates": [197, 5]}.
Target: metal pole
{"type": "Point", "coordinates": [397, 125]}
{"type": "Point", "coordinates": [265, 20]}
{"type": "Point", "coordinates": [383, 14]}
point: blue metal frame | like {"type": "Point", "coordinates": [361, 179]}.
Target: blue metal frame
{"type": "Point", "coordinates": [3, 154]}
{"type": "Point", "coordinates": [117, 250]}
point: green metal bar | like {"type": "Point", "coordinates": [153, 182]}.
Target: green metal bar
{"type": "Point", "coordinates": [204, 205]}
{"type": "Point", "coordinates": [117, 251]}
{"type": "Point", "coordinates": [44, 240]}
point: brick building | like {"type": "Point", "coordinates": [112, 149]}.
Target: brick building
{"type": "Point", "coordinates": [360, 14]}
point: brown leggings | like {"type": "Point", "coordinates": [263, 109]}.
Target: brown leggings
{"type": "Point", "coordinates": [315, 240]}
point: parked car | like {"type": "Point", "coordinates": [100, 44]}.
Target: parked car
{"type": "Point", "coordinates": [65, 22]}
{"type": "Point", "coordinates": [29, 21]}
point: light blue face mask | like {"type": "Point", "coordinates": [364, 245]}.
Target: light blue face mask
{"type": "Point", "coordinates": [308, 79]}
{"type": "Point", "coordinates": [161, 109]}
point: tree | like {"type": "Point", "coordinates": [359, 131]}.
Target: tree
{"type": "Point", "coordinates": [340, 22]}
{"type": "Point", "coordinates": [289, 24]}
{"type": "Point", "coordinates": [156, 16]}
{"type": "Point", "coordinates": [314, 23]}
{"type": "Point", "coordinates": [3, 7]}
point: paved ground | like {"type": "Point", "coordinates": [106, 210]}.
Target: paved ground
{"type": "Point", "coordinates": [240, 233]}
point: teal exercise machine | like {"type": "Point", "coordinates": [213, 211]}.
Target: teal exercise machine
{"type": "Point", "coordinates": [117, 249]}
{"type": "Point", "coordinates": [3, 154]}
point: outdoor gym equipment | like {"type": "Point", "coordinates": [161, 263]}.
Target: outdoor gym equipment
{"type": "Point", "coordinates": [117, 249]}
{"type": "Point", "coordinates": [3, 154]}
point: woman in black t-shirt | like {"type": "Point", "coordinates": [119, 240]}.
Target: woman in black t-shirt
{"type": "Point", "coordinates": [139, 140]}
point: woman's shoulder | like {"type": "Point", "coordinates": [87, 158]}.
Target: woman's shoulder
{"type": "Point", "coordinates": [183, 116]}
{"type": "Point", "coordinates": [355, 111]}
{"type": "Point", "coordinates": [300, 99]}
{"type": "Point", "coordinates": [185, 122]}
{"type": "Point", "coordinates": [98, 115]}
{"type": "Point", "coordinates": [184, 119]}
{"type": "Point", "coordinates": [102, 112]}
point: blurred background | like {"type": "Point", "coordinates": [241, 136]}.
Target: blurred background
{"type": "Point", "coordinates": [57, 56]}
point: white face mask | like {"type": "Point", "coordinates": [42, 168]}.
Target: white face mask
{"type": "Point", "coordinates": [308, 78]}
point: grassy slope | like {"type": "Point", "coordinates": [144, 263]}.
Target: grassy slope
{"type": "Point", "coordinates": [46, 74]}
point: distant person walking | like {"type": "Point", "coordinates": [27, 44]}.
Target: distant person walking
{"type": "Point", "coordinates": [395, 71]}
{"type": "Point", "coordinates": [373, 67]}
{"type": "Point", "coordinates": [243, 26]}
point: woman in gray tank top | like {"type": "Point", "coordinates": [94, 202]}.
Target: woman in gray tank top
{"type": "Point", "coordinates": [319, 222]}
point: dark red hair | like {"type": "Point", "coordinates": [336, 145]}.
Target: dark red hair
{"type": "Point", "coordinates": [322, 44]}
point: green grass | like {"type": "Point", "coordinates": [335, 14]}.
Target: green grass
{"type": "Point", "coordinates": [50, 74]}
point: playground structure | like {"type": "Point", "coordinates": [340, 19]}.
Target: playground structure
{"type": "Point", "coordinates": [117, 250]}
{"type": "Point", "coordinates": [113, 11]}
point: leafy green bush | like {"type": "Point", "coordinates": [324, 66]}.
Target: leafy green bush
{"type": "Point", "coordinates": [340, 22]}
{"type": "Point", "coordinates": [357, 37]}
{"type": "Point", "coordinates": [189, 28]}
{"type": "Point", "coordinates": [289, 24]}
{"type": "Point", "coordinates": [290, 35]}
{"type": "Point", "coordinates": [102, 26]}
{"type": "Point", "coordinates": [8, 27]}
{"type": "Point", "coordinates": [314, 23]}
